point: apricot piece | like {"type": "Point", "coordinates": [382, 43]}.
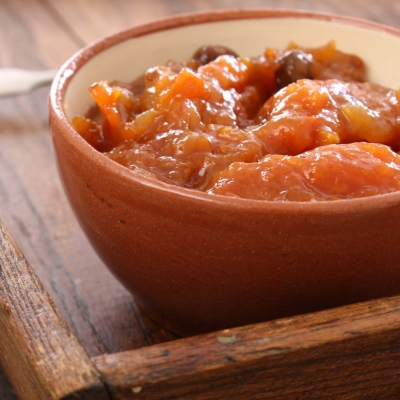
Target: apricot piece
{"type": "Point", "coordinates": [327, 173]}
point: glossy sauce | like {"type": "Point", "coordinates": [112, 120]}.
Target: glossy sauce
{"type": "Point", "coordinates": [293, 125]}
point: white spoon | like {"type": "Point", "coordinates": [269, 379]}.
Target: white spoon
{"type": "Point", "coordinates": [15, 81]}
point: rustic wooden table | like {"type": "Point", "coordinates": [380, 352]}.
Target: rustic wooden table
{"type": "Point", "coordinates": [42, 34]}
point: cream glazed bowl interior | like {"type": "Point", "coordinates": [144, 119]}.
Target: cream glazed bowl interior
{"type": "Point", "coordinates": [198, 262]}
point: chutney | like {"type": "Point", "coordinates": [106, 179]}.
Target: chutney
{"type": "Point", "coordinates": [289, 125]}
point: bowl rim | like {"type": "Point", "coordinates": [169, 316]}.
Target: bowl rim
{"type": "Point", "coordinates": [81, 57]}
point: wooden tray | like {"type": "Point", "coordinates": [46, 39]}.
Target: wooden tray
{"type": "Point", "coordinates": [349, 352]}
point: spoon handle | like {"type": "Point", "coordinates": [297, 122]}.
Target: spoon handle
{"type": "Point", "coordinates": [15, 81]}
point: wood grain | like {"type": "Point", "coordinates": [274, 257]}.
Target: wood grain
{"type": "Point", "coordinates": [348, 353]}
{"type": "Point", "coordinates": [53, 365]}
{"type": "Point", "coordinates": [35, 210]}
{"type": "Point", "coordinates": [91, 23]}
{"type": "Point", "coordinates": [43, 34]}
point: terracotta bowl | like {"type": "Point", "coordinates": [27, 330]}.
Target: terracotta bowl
{"type": "Point", "coordinates": [198, 262]}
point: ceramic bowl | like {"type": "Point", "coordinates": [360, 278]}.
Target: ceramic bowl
{"type": "Point", "coordinates": [198, 262]}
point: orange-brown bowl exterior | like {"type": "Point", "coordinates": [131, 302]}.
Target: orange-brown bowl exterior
{"type": "Point", "coordinates": [199, 262]}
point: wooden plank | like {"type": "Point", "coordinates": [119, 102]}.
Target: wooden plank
{"type": "Point", "coordinates": [348, 353]}
{"type": "Point", "coordinates": [32, 204]}
{"type": "Point", "coordinates": [27, 37]}
{"type": "Point", "coordinates": [91, 23]}
{"type": "Point", "coordinates": [41, 357]}
{"type": "Point", "coordinates": [42, 34]}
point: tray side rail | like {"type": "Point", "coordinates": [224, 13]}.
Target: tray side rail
{"type": "Point", "coordinates": [39, 354]}
{"type": "Point", "coordinates": [349, 352]}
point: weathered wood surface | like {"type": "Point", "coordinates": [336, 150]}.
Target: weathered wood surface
{"type": "Point", "coordinates": [38, 34]}
{"type": "Point", "coordinates": [34, 208]}
{"type": "Point", "coordinates": [353, 351]}
{"type": "Point", "coordinates": [38, 352]}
